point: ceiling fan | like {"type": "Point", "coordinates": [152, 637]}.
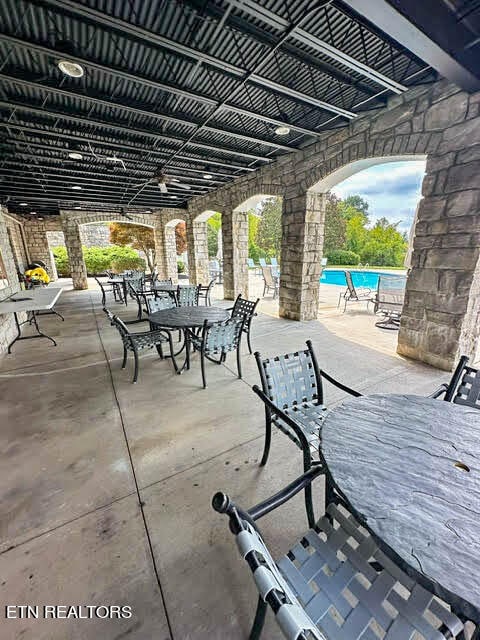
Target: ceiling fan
{"type": "Point", "coordinates": [161, 179]}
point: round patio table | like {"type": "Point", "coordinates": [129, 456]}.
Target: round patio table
{"type": "Point", "coordinates": [184, 319]}
{"type": "Point", "coordinates": [409, 467]}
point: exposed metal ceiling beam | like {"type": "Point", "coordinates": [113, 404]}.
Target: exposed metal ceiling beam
{"type": "Point", "coordinates": [97, 17]}
{"type": "Point", "coordinates": [430, 31]}
{"type": "Point", "coordinates": [293, 50]}
{"type": "Point", "coordinates": [143, 112]}
{"type": "Point", "coordinates": [91, 183]}
{"type": "Point", "coordinates": [323, 47]}
{"type": "Point", "coordinates": [30, 192]}
{"type": "Point", "coordinates": [77, 166]}
{"type": "Point", "coordinates": [119, 73]}
{"type": "Point", "coordinates": [122, 146]}
{"type": "Point", "coordinates": [123, 129]}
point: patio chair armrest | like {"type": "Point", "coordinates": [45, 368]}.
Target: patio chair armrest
{"type": "Point", "coordinates": [338, 384]}
{"type": "Point", "coordinates": [442, 389]}
{"type": "Point", "coordinates": [223, 504]}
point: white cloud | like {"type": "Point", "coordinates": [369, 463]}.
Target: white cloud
{"type": "Point", "coordinates": [392, 190]}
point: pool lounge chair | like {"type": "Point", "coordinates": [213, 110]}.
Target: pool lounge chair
{"type": "Point", "coordinates": [389, 300]}
{"type": "Point", "coordinates": [353, 294]}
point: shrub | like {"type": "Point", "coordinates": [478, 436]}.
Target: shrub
{"type": "Point", "coordinates": [341, 256]}
{"type": "Point", "coordinates": [180, 266]}
{"type": "Point", "coordinates": [60, 256]}
{"type": "Point", "coordinates": [125, 263]}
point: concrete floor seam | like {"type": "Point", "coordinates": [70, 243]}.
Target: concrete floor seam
{"type": "Point", "coordinates": [137, 488]}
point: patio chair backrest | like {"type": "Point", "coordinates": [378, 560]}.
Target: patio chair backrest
{"type": "Point", "coordinates": [251, 263]}
{"type": "Point", "coordinates": [464, 387]}
{"type": "Point", "coordinates": [100, 284]}
{"type": "Point", "coordinates": [324, 262]}
{"type": "Point", "coordinates": [291, 379]}
{"type": "Point", "coordinates": [390, 293]}
{"type": "Point", "coordinates": [244, 307]}
{"type": "Point", "coordinates": [120, 325]}
{"type": "Point", "coordinates": [160, 303]}
{"type": "Point", "coordinates": [262, 262]}
{"type": "Point", "coordinates": [223, 336]}
{"type": "Point", "coordinates": [188, 296]}
{"type": "Point", "coordinates": [164, 281]}
{"type": "Point", "coordinates": [350, 286]}
{"type": "Point", "coordinates": [135, 282]}
{"type": "Point", "coordinates": [273, 262]}
{"type": "Point", "coordinates": [268, 276]}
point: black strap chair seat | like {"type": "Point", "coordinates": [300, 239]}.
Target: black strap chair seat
{"type": "Point", "coordinates": [335, 582]}
{"type": "Point", "coordinates": [309, 417]}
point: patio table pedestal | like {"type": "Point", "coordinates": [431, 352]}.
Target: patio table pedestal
{"type": "Point", "coordinates": [409, 467]}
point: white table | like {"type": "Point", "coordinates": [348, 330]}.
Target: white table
{"type": "Point", "coordinates": [31, 301]}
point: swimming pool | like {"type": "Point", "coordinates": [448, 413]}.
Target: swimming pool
{"type": "Point", "coordinates": [360, 278]}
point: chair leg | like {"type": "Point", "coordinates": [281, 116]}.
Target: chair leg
{"type": "Point", "coordinates": [124, 361]}
{"type": "Point", "coordinates": [135, 374]}
{"type": "Point", "coordinates": [202, 365]}
{"type": "Point", "coordinates": [307, 463]}
{"type": "Point", "coordinates": [249, 343]}
{"type": "Point", "coordinates": [159, 350]}
{"type": "Point", "coordinates": [239, 363]}
{"type": "Point", "coordinates": [268, 439]}
{"type": "Point", "coordinates": [259, 621]}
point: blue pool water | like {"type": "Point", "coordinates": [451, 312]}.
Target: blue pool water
{"type": "Point", "coordinates": [360, 278]}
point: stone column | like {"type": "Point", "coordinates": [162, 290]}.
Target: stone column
{"type": "Point", "coordinates": [235, 253]}
{"type": "Point", "coordinates": [171, 253]}
{"type": "Point", "coordinates": [197, 252]}
{"type": "Point", "coordinates": [303, 221]}
{"type": "Point", "coordinates": [73, 243]}
{"type": "Point", "coordinates": [442, 300]}
{"type": "Point", "coordinates": [37, 245]}
{"type": "Point", "coordinates": [160, 251]}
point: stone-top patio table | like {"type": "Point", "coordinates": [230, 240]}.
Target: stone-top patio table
{"type": "Point", "coordinates": [184, 319]}
{"type": "Point", "coordinates": [30, 301]}
{"type": "Point", "coordinates": [410, 468]}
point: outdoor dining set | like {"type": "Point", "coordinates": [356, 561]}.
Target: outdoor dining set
{"type": "Point", "coordinates": [169, 309]}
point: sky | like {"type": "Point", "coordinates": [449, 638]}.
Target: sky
{"type": "Point", "coordinates": [392, 190]}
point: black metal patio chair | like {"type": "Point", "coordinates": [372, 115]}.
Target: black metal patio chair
{"type": "Point", "coordinates": [464, 386]}
{"type": "Point", "coordinates": [335, 582]}
{"type": "Point", "coordinates": [187, 296]}
{"type": "Point", "coordinates": [113, 287]}
{"type": "Point", "coordinates": [246, 308]}
{"type": "Point", "coordinates": [270, 281]}
{"type": "Point", "coordinates": [136, 342]}
{"type": "Point", "coordinates": [354, 294]}
{"type": "Point", "coordinates": [205, 292]}
{"type": "Point", "coordinates": [216, 341]}
{"type": "Point", "coordinates": [160, 302]}
{"type": "Point", "coordinates": [141, 296]}
{"type": "Point", "coordinates": [292, 392]}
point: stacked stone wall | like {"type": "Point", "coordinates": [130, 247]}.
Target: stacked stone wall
{"type": "Point", "coordinates": [7, 322]}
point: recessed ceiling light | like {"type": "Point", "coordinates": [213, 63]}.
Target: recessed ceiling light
{"type": "Point", "coordinates": [77, 187]}
{"type": "Point", "coordinates": [24, 204]}
{"type": "Point", "coordinates": [174, 180]}
{"type": "Point", "coordinates": [74, 155]}
{"type": "Point", "coordinates": [77, 207]}
{"type": "Point", "coordinates": [33, 213]}
{"type": "Point", "coordinates": [174, 197]}
{"type": "Point", "coordinates": [148, 211]}
{"type": "Point", "coordinates": [207, 176]}
{"type": "Point", "coordinates": [282, 131]}
{"type": "Point", "coordinates": [40, 218]}
{"type": "Point", "coordinates": [72, 69]}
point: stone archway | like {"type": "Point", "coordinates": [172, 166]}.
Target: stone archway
{"type": "Point", "coordinates": [170, 244]}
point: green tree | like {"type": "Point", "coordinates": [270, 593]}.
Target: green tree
{"type": "Point", "coordinates": [253, 249]}
{"type": "Point", "coordinates": [385, 245]}
{"type": "Point", "coordinates": [335, 226]}
{"type": "Point", "coordinates": [356, 233]}
{"type": "Point", "coordinates": [136, 236]}
{"type": "Point", "coordinates": [269, 231]}
{"type": "Point", "coordinates": [357, 203]}
{"type": "Point", "coordinates": [181, 238]}
{"type": "Point", "coordinates": [214, 225]}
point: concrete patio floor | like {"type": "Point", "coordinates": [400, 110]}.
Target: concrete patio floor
{"type": "Point", "coordinates": [106, 485]}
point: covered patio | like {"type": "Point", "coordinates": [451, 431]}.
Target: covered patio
{"type": "Point", "coordinates": [85, 447]}
{"type": "Point", "coordinates": [170, 111]}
